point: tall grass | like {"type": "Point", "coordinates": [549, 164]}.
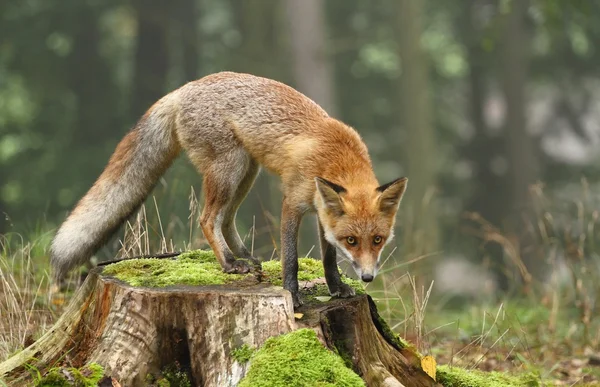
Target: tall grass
{"type": "Point", "coordinates": [27, 305]}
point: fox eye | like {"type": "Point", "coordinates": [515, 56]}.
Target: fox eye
{"type": "Point", "coordinates": [377, 239]}
{"type": "Point", "coordinates": [351, 241]}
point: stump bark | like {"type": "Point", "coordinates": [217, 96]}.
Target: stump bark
{"type": "Point", "coordinates": [135, 331]}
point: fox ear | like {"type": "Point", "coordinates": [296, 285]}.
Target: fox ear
{"type": "Point", "coordinates": [330, 193]}
{"type": "Point", "coordinates": [391, 194]}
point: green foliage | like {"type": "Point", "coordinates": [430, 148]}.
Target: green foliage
{"type": "Point", "coordinates": [242, 354]}
{"type": "Point", "coordinates": [298, 359]}
{"type": "Point", "coordinates": [87, 376]}
{"type": "Point", "coordinates": [460, 377]}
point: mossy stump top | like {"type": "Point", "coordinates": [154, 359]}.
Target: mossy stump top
{"type": "Point", "coordinates": [200, 268]}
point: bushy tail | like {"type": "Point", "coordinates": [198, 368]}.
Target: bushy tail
{"type": "Point", "coordinates": [134, 168]}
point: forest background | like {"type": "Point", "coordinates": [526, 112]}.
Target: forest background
{"type": "Point", "coordinates": [490, 107]}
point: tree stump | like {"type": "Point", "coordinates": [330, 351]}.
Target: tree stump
{"type": "Point", "coordinates": [134, 332]}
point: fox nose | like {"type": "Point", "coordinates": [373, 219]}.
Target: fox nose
{"type": "Point", "coordinates": [367, 277]}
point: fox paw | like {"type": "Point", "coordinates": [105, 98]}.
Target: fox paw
{"type": "Point", "coordinates": [239, 266]}
{"type": "Point", "coordinates": [297, 301]}
{"type": "Point", "coordinates": [255, 262]}
{"type": "Point", "coordinates": [342, 291]}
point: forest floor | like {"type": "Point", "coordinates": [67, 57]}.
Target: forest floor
{"type": "Point", "coordinates": [515, 336]}
{"type": "Point", "coordinates": [556, 340]}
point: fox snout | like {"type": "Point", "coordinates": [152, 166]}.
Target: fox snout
{"type": "Point", "coordinates": [366, 273]}
{"type": "Point", "coordinates": [366, 277]}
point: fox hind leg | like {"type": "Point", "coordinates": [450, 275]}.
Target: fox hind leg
{"type": "Point", "coordinates": [230, 232]}
{"type": "Point", "coordinates": [221, 181]}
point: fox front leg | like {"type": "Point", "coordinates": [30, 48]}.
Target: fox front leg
{"type": "Point", "coordinates": [336, 287]}
{"type": "Point", "coordinates": [291, 216]}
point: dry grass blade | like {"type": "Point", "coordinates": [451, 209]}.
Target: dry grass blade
{"type": "Point", "coordinates": [25, 296]}
{"type": "Point", "coordinates": [420, 300]}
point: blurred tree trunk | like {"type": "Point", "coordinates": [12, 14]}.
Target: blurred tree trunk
{"type": "Point", "coordinates": [420, 147]}
{"type": "Point", "coordinates": [311, 66]}
{"type": "Point", "coordinates": [151, 54]}
{"type": "Point", "coordinates": [260, 49]}
{"type": "Point", "coordinates": [186, 17]}
{"type": "Point", "coordinates": [311, 71]}
{"type": "Point", "coordinates": [484, 146]}
{"type": "Point", "coordinates": [260, 54]}
{"type": "Point", "coordinates": [523, 165]}
{"type": "Point", "coordinates": [500, 198]}
{"type": "Point", "coordinates": [490, 195]}
{"type": "Point", "coordinates": [97, 116]}
{"type": "Point", "coordinates": [90, 80]}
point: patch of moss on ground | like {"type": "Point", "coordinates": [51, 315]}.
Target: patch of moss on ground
{"type": "Point", "coordinates": [242, 354]}
{"type": "Point", "coordinates": [298, 359]}
{"type": "Point", "coordinates": [196, 267]}
{"type": "Point", "coordinates": [460, 377]}
{"type": "Point", "coordinates": [87, 376]}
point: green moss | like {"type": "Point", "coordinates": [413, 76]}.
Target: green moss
{"type": "Point", "coordinates": [163, 383]}
{"type": "Point", "coordinates": [87, 376]}
{"type": "Point", "coordinates": [298, 359]}
{"type": "Point", "coordinates": [242, 354]}
{"type": "Point", "coordinates": [459, 377]}
{"type": "Point", "coordinates": [200, 267]}
{"type": "Point", "coordinates": [343, 354]}
{"type": "Point", "coordinates": [399, 341]}
{"type": "Point", "coordinates": [308, 269]}
{"type": "Point", "coordinates": [319, 290]}
{"type": "Point", "coordinates": [196, 267]}
{"type": "Point", "coordinates": [393, 336]}
{"type": "Point", "coordinates": [170, 376]}
{"type": "Point", "coordinates": [53, 379]}
{"type": "Point", "coordinates": [174, 376]}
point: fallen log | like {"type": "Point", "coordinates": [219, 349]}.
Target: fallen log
{"type": "Point", "coordinates": [138, 318]}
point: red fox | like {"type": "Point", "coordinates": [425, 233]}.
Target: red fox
{"type": "Point", "coordinates": [230, 124]}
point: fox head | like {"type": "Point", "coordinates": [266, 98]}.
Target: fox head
{"type": "Point", "coordinates": [359, 221]}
